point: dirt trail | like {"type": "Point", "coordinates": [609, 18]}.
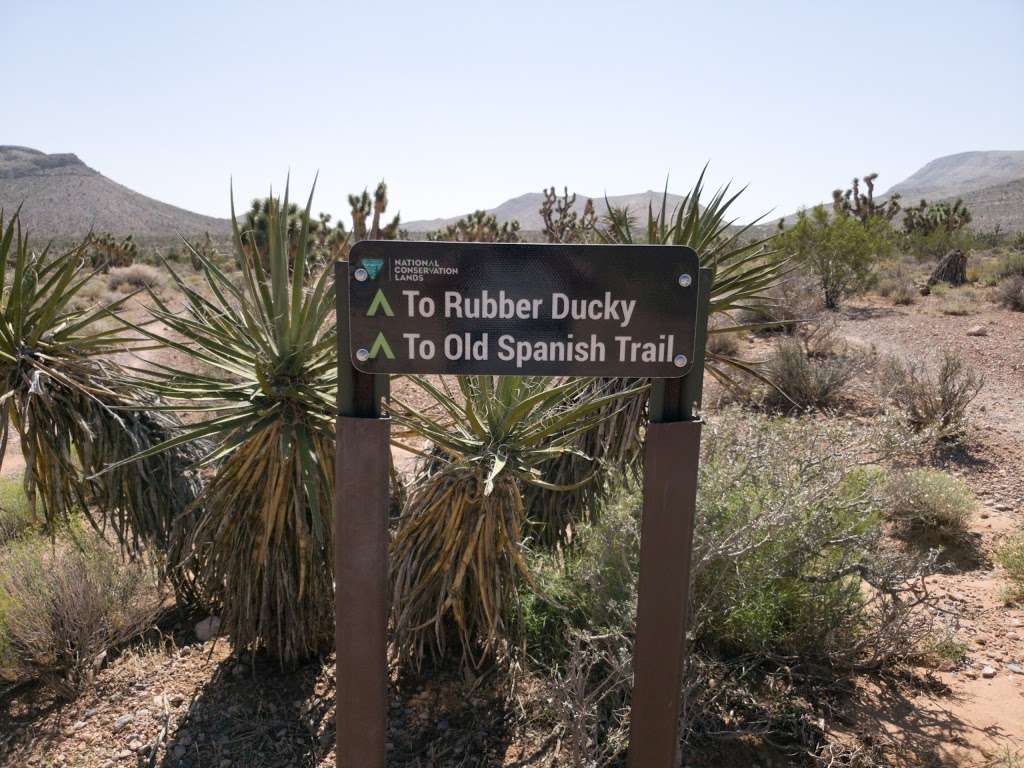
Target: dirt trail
{"type": "Point", "coordinates": [971, 711]}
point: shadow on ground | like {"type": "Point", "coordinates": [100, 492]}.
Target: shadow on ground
{"type": "Point", "coordinates": [255, 716]}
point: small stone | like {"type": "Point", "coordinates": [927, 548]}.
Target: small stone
{"type": "Point", "coordinates": [1017, 669]}
{"type": "Point", "coordinates": [988, 673]}
{"type": "Point", "coordinates": [135, 745]}
{"type": "Point", "coordinates": [207, 628]}
{"type": "Point", "coordinates": [78, 726]}
{"type": "Point", "coordinates": [978, 330]}
{"type": "Point", "coordinates": [122, 722]}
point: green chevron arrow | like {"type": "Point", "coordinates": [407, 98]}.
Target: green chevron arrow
{"type": "Point", "coordinates": [380, 301]}
{"type": "Point", "coordinates": [380, 344]}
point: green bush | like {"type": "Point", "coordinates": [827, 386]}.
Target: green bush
{"type": "Point", "coordinates": [929, 499]}
{"type": "Point", "coordinates": [1011, 556]}
{"type": "Point", "coordinates": [783, 543]}
{"type": "Point", "coordinates": [64, 604]}
{"type": "Point", "coordinates": [787, 564]}
{"type": "Point", "coordinates": [840, 250]}
{"type": "Point", "coordinates": [16, 515]}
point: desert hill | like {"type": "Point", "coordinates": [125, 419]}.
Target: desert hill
{"type": "Point", "coordinates": [62, 197]}
{"type": "Point", "coordinates": [960, 174]}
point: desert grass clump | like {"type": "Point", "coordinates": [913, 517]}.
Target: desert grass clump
{"type": "Point", "coordinates": [928, 499]}
{"type": "Point", "coordinates": [904, 294]}
{"type": "Point", "coordinates": [260, 544]}
{"type": "Point", "coordinates": [934, 401]}
{"type": "Point", "coordinates": [16, 516]}
{"type": "Point", "coordinates": [804, 376]}
{"type": "Point", "coordinates": [133, 278]}
{"type": "Point", "coordinates": [458, 557]}
{"type": "Point", "coordinates": [64, 604]}
{"type": "Point", "coordinates": [1011, 264]}
{"type": "Point", "coordinates": [960, 302]}
{"type": "Point", "coordinates": [1010, 555]}
{"type": "Point", "coordinates": [1010, 293]}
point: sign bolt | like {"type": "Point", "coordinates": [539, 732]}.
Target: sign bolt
{"type": "Point", "coordinates": [363, 354]}
{"type": "Point", "coordinates": [679, 360]}
{"type": "Point", "coordinates": [361, 275]}
{"type": "Point", "coordinates": [685, 280]}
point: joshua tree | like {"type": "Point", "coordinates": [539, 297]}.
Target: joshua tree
{"type": "Point", "coordinates": [852, 202]}
{"type": "Point", "coordinates": [479, 227]}
{"type": "Point", "coordinates": [361, 209]}
{"type": "Point", "coordinates": [926, 217]}
{"type": "Point", "coordinates": [561, 222]}
{"type": "Point", "coordinates": [104, 251]}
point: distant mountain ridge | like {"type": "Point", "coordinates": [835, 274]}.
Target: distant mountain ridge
{"type": "Point", "coordinates": [61, 197]}
{"type": "Point", "coordinates": [526, 209]}
{"type": "Point", "coordinates": [959, 174]}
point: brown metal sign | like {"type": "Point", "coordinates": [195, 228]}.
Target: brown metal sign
{"type": "Point", "coordinates": [522, 309]}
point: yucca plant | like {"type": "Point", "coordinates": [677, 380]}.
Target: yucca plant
{"type": "Point", "coordinates": [745, 268]}
{"type": "Point", "coordinates": [457, 558]}
{"type": "Point", "coordinates": [71, 406]}
{"type": "Point", "coordinates": [261, 546]}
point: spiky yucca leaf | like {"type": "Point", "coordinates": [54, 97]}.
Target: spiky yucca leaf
{"type": "Point", "coordinates": [457, 557]}
{"type": "Point", "coordinates": [262, 546]}
{"type": "Point", "coordinates": [745, 268]}
{"type": "Point", "coordinates": [72, 408]}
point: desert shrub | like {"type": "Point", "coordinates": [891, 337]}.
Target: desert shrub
{"type": "Point", "coordinates": [787, 563]}
{"type": "Point", "coordinates": [805, 375]}
{"type": "Point", "coordinates": [1011, 293]}
{"type": "Point", "coordinates": [840, 250]}
{"type": "Point", "coordinates": [65, 604]}
{"type": "Point", "coordinates": [16, 515]}
{"type": "Point", "coordinates": [934, 401]}
{"type": "Point", "coordinates": [1011, 556]}
{"type": "Point", "coordinates": [904, 293]}
{"type": "Point", "coordinates": [134, 277]}
{"type": "Point", "coordinates": [789, 303]}
{"type": "Point", "coordinates": [1011, 265]}
{"type": "Point", "coordinates": [929, 499]}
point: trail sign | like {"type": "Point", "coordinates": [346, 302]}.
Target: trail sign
{"type": "Point", "coordinates": [672, 298]}
{"type": "Point", "coordinates": [503, 308]}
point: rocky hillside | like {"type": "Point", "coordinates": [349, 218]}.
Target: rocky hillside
{"type": "Point", "coordinates": [61, 197]}
{"type": "Point", "coordinates": [960, 174]}
{"type": "Point", "coordinates": [526, 209]}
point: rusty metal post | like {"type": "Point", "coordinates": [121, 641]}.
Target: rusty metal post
{"type": "Point", "coordinates": [360, 555]}
{"type": "Point", "coordinates": [671, 457]}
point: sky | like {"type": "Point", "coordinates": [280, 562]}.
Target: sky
{"type": "Point", "coordinates": [462, 105]}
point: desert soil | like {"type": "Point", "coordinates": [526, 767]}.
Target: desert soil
{"type": "Point", "coordinates": [176, 702]}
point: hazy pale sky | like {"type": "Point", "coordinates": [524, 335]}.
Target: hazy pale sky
{"type": "Point", "coordinates": [459, 105]}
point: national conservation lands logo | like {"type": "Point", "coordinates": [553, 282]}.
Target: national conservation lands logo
{"type": "Point", "coordinates": [372, 267]}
